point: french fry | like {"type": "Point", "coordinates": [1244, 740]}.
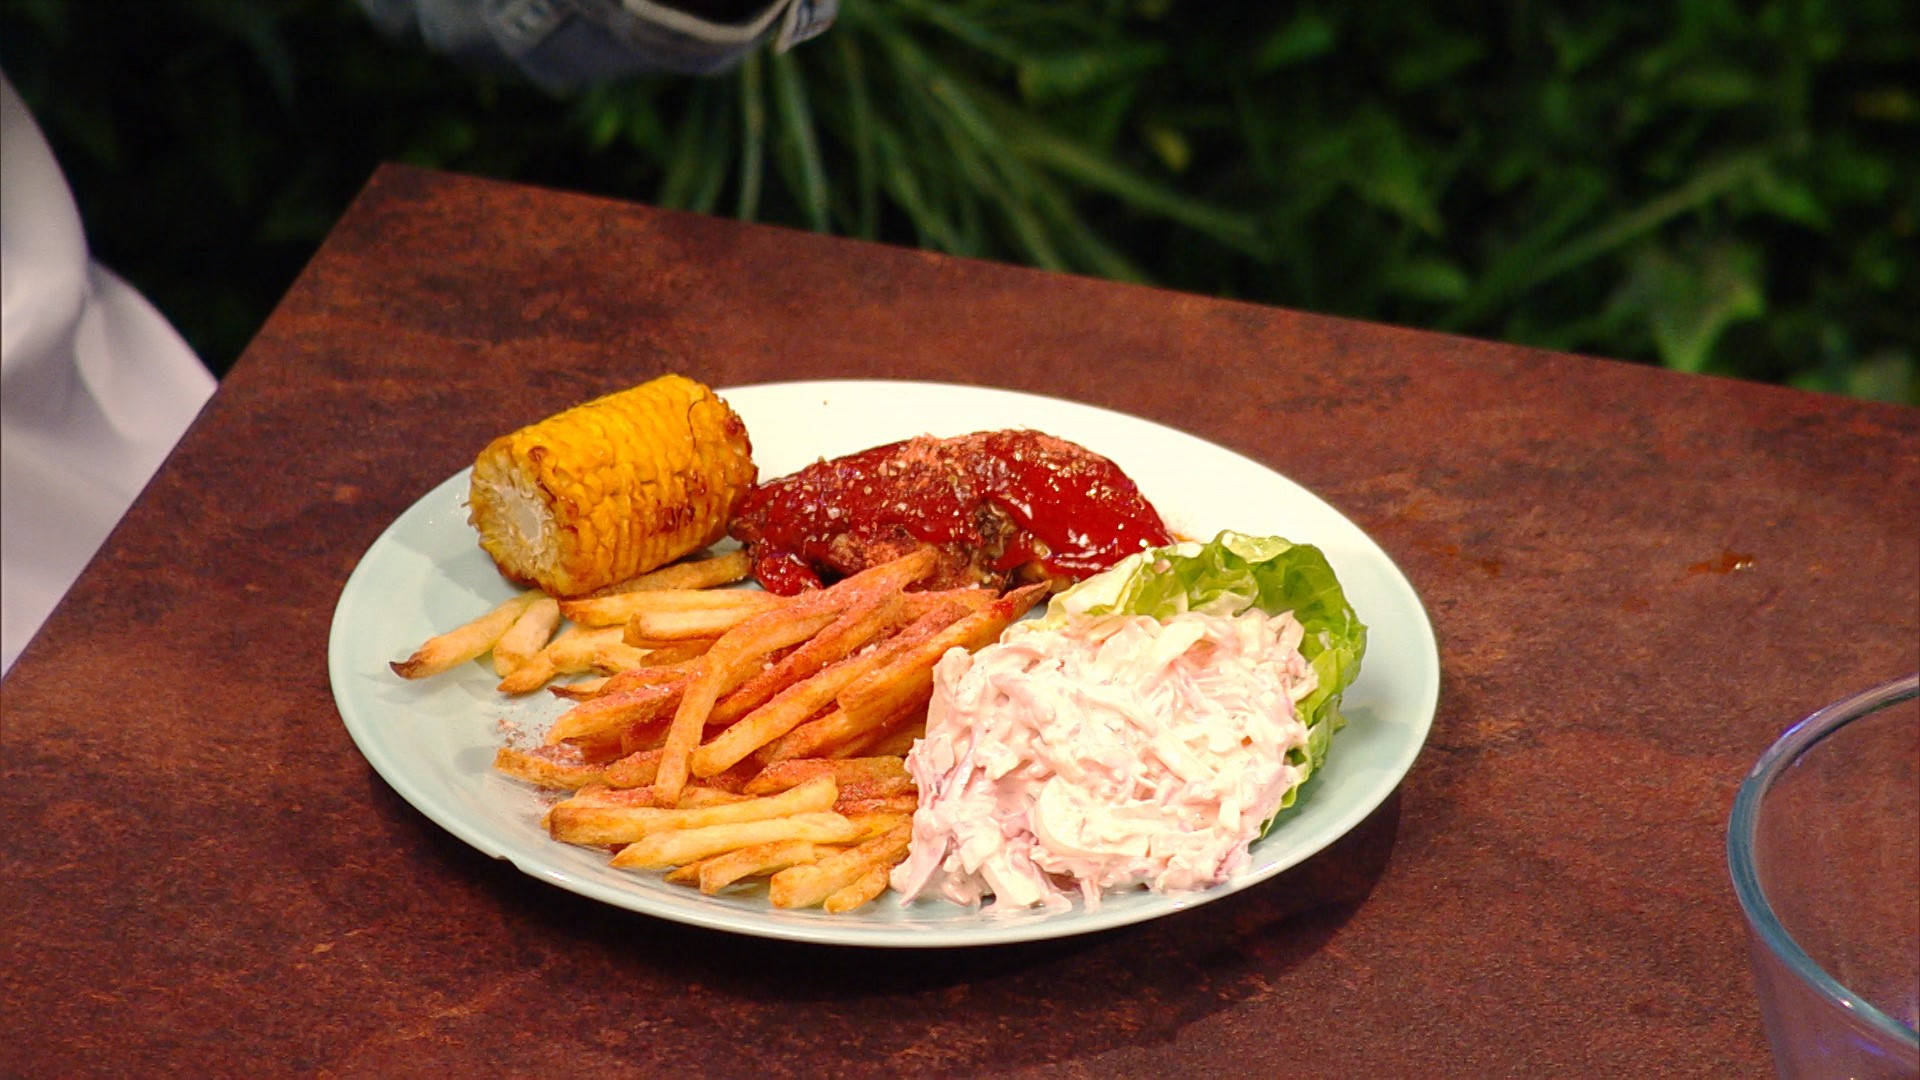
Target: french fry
{"type": "Point", "coordinates": [876, 787]}
{"type": "Point", "coordinates": [856, 627]}
{"type": "Point", "coordinates": [872, 825]}
{"type": "Point", "coordinates": [611, 657]}
{"type": "Point", "coordinates": [705, 573]}
{"type": "Point", "coordinates": [670, 653]}
{"type": "Point", "coordinates": [647, 736]}
{"type": "Point", "coordinates": [896, 743]}
{"type": "Point", "coordinates": [733, 734]}
{"type": "Point", "coordinates": [582, 690]}
{"type": "Point", "coordinates": [972, 598]}
{"type": "Point", "coordinates": [555, 771]}
{"type": "Point", "coordinates": [734, 779]}
{"type": "Point", "coordinates": [444, 652]}
{"type": "Point", "coordinates": [792, 706]}
{"type": "Point", "coordinates": [635, 769]}
{"type": "Point", "coordinates": [576, 650]}
{"type": "Point", "coordinates": [643, 704]}
{"type": "Point", "coordinates": [877, 696]}
{"type": "Point", "coordinates": [689, 873]}
{"type": "Point", "coordinates": [891, 576]}
{"type": "Point", "coordinates": [649, 629]}
{"type": "Point", "coordinates": [601, 795]}
{"type": "Point", "coordinates": [606, 795]}
{"type": "Point", "coordinates": [848, 773]}
{"type": "Point", "coordinates": [663, 849]}
{"type": "Point", "coordinates": [769, 722]}
{"type": "Point", "coordinates": [597, 824]}
{"type": "Point", "coordinates": [864, 888]}
{"type": "Point", "coordinates": [695, 797]}
{"type": "Point", "coordinates": [818, 737]}
{"type": "Point", "coordinates": [618, 609]}
{"type": "Point", "coordinates": [756, 860]}
{"type": "Point", "coordinates": [910, 721]}
{"type": "Point", "coordinates": [528, 635]}
{"type": "Point", "coordinates": [809, 885]}
{"type": "Point", "coordinates": [648, 674]}
{"type": "Point", "coordinates": [885, 804]}
{"type": "Point", "coordinates": [841, 734]}
{"type": "Point", "coordinates": [601, 747]}
{"type": "Point", "coordinates": [731, 660]}
{"type": "Point", "coordinates": [895, 691]}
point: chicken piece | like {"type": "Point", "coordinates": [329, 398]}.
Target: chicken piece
{"type": "Point", "coordinates": [999, 506]}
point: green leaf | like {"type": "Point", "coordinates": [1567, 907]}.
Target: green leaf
{"type": "Point", "coordinates": [699, 151]}
{"type": "Point", "coordinates": [1082, 245]}
{"type": "Point", "coordinates": [1715, 86]}
{"type": "Point", "coordinates": [1690, 302]}
{"type": "Point", "coordinates": [753, 138]}
{"type": "Point", "coordinates": [1789, 198]}
{"type": "Point", "coordinates": [950, 18]}
{"type": "Point", "coordinates": [859, 100]}
{"type": "Point", "coordinates": [1434, 61]}
{"type": "Point", "coordinates": [1576, 45]}
{"type": "Point", "coordinates": [259, 28]}
{"type": "Point", "coordinates": [604, 123]}
{"type": "Point", "coordinates": [1850, 173]}
{"type": "Point", "coordinates": [970, 167]}
{"type": "Point", "coordinates": [642, 126]}
{"type": "Point", "coordinates": [1089, 166]}
{"type": "Point", "coordinates": [1430, 278]}
{"type": "Point", "coordinates": [1892, 376]}
{"type": "Point", "coordinates": [902, 182]}
{"type": "Point", "coordinates": [1071, 74]}
{"type": "Point", "coordinates": [1374, 157]}
{"type": "Point", "coordinates": [1524, 270]}
{"type": "Point", "coordinates": [1887, 104]}
{"type": "Point", "coordinates": [800, 141]}
{"type": "Point", "coordinates": [1169, 145]}
{"type": "Point", "coordinates": [1307, 36]}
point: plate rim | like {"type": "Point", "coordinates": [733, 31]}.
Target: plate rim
{"type": "Point", "coordinates": [713, 914]}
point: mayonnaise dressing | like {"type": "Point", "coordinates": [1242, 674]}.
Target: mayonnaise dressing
{"type": "Point", "coordinates": [1111, 752]}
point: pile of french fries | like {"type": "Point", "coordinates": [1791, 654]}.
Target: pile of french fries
{"type": "Point", "coordinates": [727, 735]}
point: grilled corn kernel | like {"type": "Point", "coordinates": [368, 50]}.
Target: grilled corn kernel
{"type": "Point", "coordinates": [611, 488]}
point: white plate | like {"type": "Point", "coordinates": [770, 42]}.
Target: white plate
{"type": "Point", "coordinates": [434, 740]}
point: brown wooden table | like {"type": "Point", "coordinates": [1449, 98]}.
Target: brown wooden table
{"type": "Point", "coordinates": [1638, 579]}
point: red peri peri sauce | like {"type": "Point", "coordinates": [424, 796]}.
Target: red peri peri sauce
{"type": "Point", "coordinates": [994, 503]}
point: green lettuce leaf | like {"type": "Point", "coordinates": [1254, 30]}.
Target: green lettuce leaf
{"type": "Point", "coordinates": [1227, 576]}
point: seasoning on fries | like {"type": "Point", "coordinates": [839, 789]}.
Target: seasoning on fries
{"type": "Point", "coordinates": [678, 748]}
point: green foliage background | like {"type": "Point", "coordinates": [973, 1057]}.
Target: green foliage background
{"type": "Point", "coordinates": [1710, 185]}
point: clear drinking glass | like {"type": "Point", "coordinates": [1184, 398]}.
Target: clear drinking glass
{"type": "Point", "coordinates": [1824, 847]}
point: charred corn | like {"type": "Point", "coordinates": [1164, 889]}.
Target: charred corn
{"type": "Point", "coordinates": [612, 488]}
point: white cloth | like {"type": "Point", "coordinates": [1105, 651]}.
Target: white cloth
{"type": "Point", "coordinates": [95, 385]}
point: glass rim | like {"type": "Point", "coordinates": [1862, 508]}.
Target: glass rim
{"type": "Point", "coordinates": [1744, 823]}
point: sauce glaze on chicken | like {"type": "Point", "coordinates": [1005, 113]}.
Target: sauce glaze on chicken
{"type": "Point", "coordinates": [1000, 506]}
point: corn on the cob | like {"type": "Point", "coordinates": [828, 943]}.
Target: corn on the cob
{"type": "Point", "coordinates": [611, 488]}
